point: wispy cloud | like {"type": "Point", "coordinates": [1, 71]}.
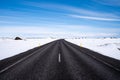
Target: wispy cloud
{"type": "Point", "coordinates": [74, 30]}
{"type": "Point", "coordinates": [56, 28]}
{"type": "Point", "coordinates": [84, 13]}
{"type": "Point", "coordinates": [109, 2]}
{"type": "Point", "coordinates": [94, 18]}
{"type": "Point", "coordinates": [6, 22]}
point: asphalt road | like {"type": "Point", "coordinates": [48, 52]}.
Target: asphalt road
{"type": "Point", "coordinates": [59, 60]}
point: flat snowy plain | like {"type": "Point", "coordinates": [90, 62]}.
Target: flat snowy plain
{"type": "Point", "coordinates": [108, 47]}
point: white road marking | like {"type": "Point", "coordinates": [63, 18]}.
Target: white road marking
{"type": "Point", "coordinates": [59, 57]}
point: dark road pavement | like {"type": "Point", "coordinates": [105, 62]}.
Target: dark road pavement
{"type": "Point", "coordinates": [59, 60]}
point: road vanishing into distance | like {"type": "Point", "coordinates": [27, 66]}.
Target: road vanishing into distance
{"type": "Point", "coordinates": [59, 60]}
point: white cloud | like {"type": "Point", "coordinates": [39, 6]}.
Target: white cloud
{"type": "Point", "coordinates": [53, 28]}
{"type": "Point", "coordinates": [94, 18]}
{"type": "Point", "coordinates": [109, 2]}
{"type": "Point", "coordinates": [56, 29]}
{"type": "Point", "coordinates": [6, 22]}
{"type": "Point", "coordinates": [84, 12]}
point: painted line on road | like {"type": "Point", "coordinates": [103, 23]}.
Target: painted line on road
{"type": "Point", "coordinates": [59, 57]}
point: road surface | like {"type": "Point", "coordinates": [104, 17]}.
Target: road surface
{"type": "Point", "coordinates": [59, 60]}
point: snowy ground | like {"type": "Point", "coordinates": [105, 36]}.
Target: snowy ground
{"type": "Point", "coordinates": [109, 47]}
{"type": "Point", "coordinates": [10, 47]}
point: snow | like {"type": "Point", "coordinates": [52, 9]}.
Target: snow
{"type": "Point", "coordinates": [10, 47]}
{"type": "Point", "coordinates": [108, 47]}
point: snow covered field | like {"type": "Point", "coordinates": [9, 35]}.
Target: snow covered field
{"type": "Point", "coordinates": [10, 47]}
{"type": "Point", "coordinates": [109, 47]}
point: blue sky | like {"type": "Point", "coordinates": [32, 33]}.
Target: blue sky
{"type": "Point", "coordinates": [68, 16]}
